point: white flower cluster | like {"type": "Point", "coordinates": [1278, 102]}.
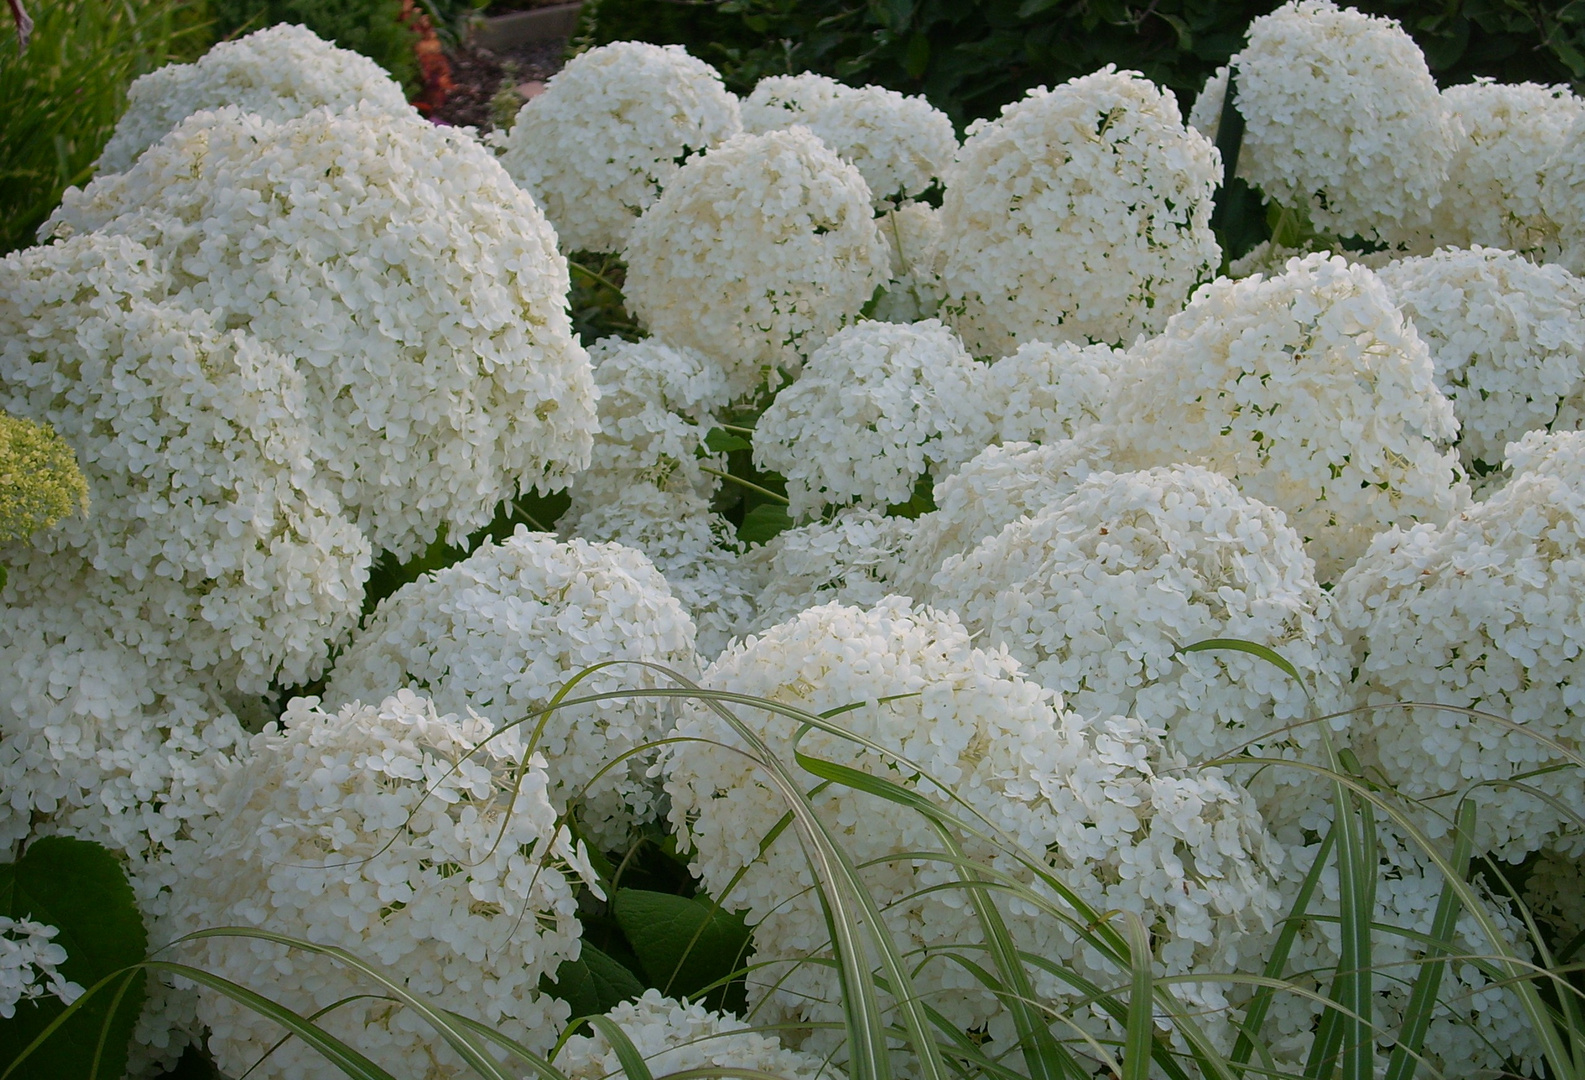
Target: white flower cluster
{"type": "Point", "coordinates": [995, 488]}
{"type": "Point", "coordinates": [913, 239]}
{"type": "Point", "coordinates": [1342, 119]}
{"type": "Point", "coordinates": [1183, 848]}
{"type": "Point", "coordinates": [1096, 595]}
{"type": "Point", "coordinates": [1507, 338]}
{"type": "Point", "coordinates": [610, 132]}
{"type": "Point", "coordinates": [30, 965]}
{"type": "Point", "coordinates": [414, 841]}
{"type": "Point", "coordinates": [853, 559]}
{"type": "Point", "coordinates": [1563, 196]}
{"type": "Point", "coordinates": [695, 549]}
{"type": "Point", "coordinates": [503, 631]}
{"type": "Point", "coordinates": [1081, 214]}
{"type": "Point", "coordinates": [756, 253]}
{"type": "Point", "coordinates": [399, 269]}
{"type": "Point", "coordinates": [877, 408]}
{"type": "Point", "coordinates": [1310, 392]}
{"type": "Point", "coordinates": [673, 1036]}
{"type": "Point", "coordinates": [213, 542]}
{"type": "Point", "coordinates": [279, 73]}
{"type": "Point", "coordinates": [1485, 614]}
{"type": "Point", "coordinates": [1493, 192]}
{"type": "Point", "coordinates": [900, 145]}
{"type": "Point", "coordinates": [656, 406]}
{"type": "Point", "coordinates": [1046, 393]}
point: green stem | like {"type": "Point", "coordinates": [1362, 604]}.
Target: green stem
{"type": "Point", "coordinates": [592, 276]}
{"type": "Point", "coordinates": [769, 494]}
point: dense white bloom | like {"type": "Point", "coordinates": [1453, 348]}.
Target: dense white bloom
{"type": "Point", "coordinates": [30, 965]}
{"type": "Point", "coordinates": [1493, 192]}
{"type": "Point", "coordinates": [1046, 393]}
{"type": "Point", "coordinates": [901, 145]}
{"type": "Point", "coordinates": [1310, 392]}
{"type": "Point", "coordinates": [1484, 613]}
{"type": "Point", "coordinates": [673, 1036]}
{"type": "Point", "coordinates": [877, 408]}
{"type": "Point", "coordinates": [98, 743]}
{"type": "Point", "coordinates": [610, 131]}
{"type": "Point", "coordinates": [1183, 848]}
{"type": "Point", "coordinates": [1342, 119]}
{"type": "Point", "coordinates": [399, 269]}
{"type": "Point", "coordinates": [1081, 214]}
{"type": "Point", "coordinates": [853, 559]}
{"type": "Point", "coordinates": [656, 406]}
{"type": "Point", "coordinates": [279, 73]}
{"type": "Point", "coordinates": [212, 542]}
{"type": "Point", "coordinates": [1507, 338]}
{"type": "Point", "coordinates": [695, 549]}
{"type": "Point", "coordinates": [1563, 195]}
{"type": "Point", "coordinates": [998, 486]}
{"type": "Point", "coordinates": [503, 631]}
{"type": "Point", "coordinates": [756, 253]}
{"type": "Point", "coordinates": [406, 838]}
{"type": "Point", "coordinates": [913, 238]}
{"type": "Point", "coordinates": [1095, 596]}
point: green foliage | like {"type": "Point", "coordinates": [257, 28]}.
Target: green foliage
{"type": "Point", "coordinates": [64, 95]}
{"type": "Point", "coordinates": [689, 946]}
{"type": "Point", "coordinates": [594, 983]}
{"type": "Point", "coordinates": [371, 27]}
{"type": "Point", "coordinates": [970, 57]}
{"type": "Point", "coordinates": [80, 888]}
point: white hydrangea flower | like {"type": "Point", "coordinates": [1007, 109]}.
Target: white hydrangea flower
{"type": "Point", "coordinates": [1046, 393]}
{"type": "Point", "coordinates": [98, 743]}
{"type": "Point", "coordinates": [1478, 1026]}
{"type": "Point", "coordinates": [1341, 119]}
{"type": "Point", "coordinates": [913, 238]}
{"type": "Point", "coordinates": [1563, 196]}
{"type": "Point", "coordinates": [853, 559]}
{"type": "Point", "coordinates": [1183, 848]}
{"type": "Point", "coordinates": [503, 631]}
{"type": "Point", "coordinates": [1310, 392]}
{"type": "Point", "coordinates": [1096, 595]}
{"type": "Point", "coordinates": [1506, 336]}
{"type": "Point", "coordinates": [279, 73]}
{"type": "Point", "coordinates": [1081, 214]}
{"type": "Point", "coordinates": [1493, 192]}
{"type": "Point", "coordinates": [414, 841]}
{"type": "Point", "coordinates": [998, 486]}
{"type": "Point", "coordinates": [30, 963]}
{"type": "Point", "coordinates": [756, 253]}
{"type": "Point", "coordinates": [656, 406]}
{"type": "Point", "coordinates": [1484, 614]}
{"type": "Point", "coordinates": [695, 549]}
{"type": "Point", "coordinates": [396, 265]}
{"type": "Point", "coordinates": [673, 1036]}
{"type": "Point", "coordinates": [610, 132]}
{"type": "Point", "coordinates": [877, 408]}
{"type": "Point", "coordinates": [901, 145]}
{"type": "Point", "coordinates": [212, 542]}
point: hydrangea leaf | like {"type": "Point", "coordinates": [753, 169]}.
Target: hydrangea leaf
{"type": "Point", "coordinates": [80, 888]}
{"type": "Point", "coordinates": [685, 944]}
{"type": "Point", "coordinates": [763, 523]}
{"type": "Point", "coordinates": [594, 983]}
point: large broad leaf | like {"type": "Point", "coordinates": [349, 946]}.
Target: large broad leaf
{"type": "Point", "coordinates": [685, 945]}
{"type": "Point", "coordinates": [594, 983]}
{"type": "Point", "coordinates": [80, 888]}
{"type": "Point", "coordinates": [764, 522]}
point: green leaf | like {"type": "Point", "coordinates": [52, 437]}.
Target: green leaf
{"type": "Point", "coordinates": [921, 502]}
{"type": "Point", "coordinates": [917, 59]}
{"type": "Point", "coordinates": [764, 522]}
{"type": "Point", "coordinates": [685, 944]}
{"type": "Point", "coordinates": [722, 442]}
{"type": "Point", "coordinates": [80, 888]}
{"type": "Point", "coordinates": [594, 983]}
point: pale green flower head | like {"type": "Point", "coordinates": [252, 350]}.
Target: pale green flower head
{"type": "Point", "coordinates": [40, 482]}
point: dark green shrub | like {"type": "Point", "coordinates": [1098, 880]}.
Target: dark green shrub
{"type": "Point", "coordinates": [371, 27]}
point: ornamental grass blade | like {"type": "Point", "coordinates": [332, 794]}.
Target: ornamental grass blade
{"type": "Point", "coordinates": [1139, 1036]}
{"type": "Point", "coordinates": [633, 1063]}
{"type": "Point", "coordinates": [1355, 827]}
{"type": "Point", "coordinates": [1422, 999]}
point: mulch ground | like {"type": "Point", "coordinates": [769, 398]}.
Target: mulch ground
{"type": "Point", "coordinates": [477, 74]}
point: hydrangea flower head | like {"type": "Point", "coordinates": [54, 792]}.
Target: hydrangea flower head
{"type": "Point", "coordinates": [40, 482]}
{"type": "Point", "coordinates": [1080, 214]}
{"type": "Point", "coordinates": [756, 253]}
{"type": "Point", "coordinates": [609, 133]}
{"type": "Point", "coordinates": [30, 963]}
{"type": "Point", "coordinates": [1046, 393]}
{"type": "Point", "coordinates": [852, 559]}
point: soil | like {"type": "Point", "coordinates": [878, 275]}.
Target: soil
{"type": "Point", "coordinates": [477, 74]}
